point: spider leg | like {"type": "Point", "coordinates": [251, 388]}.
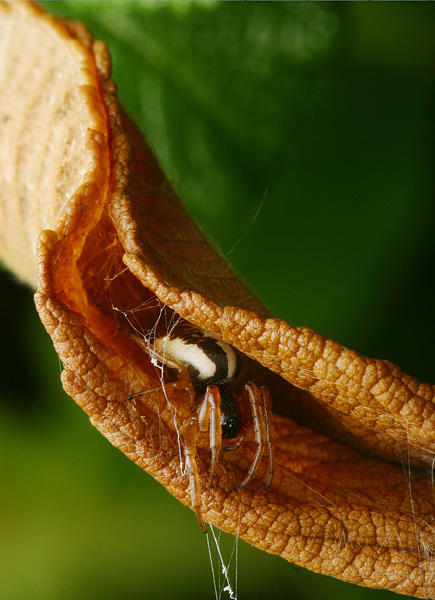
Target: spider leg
{"type": "Point", "coordinates": [190, 430]}
{"type": "Point", "coordinates": [209, 418]}
{"type": "Point", "coordinates": [189, 439]}
{"type": "Point", "coordinates": [270, 433]}
{"type": "Point", "coordinates": [263, 430]}
{"type": "Point", "coordinates": [170, 385]}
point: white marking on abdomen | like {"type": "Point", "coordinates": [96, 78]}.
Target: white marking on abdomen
{"type": "Point", "coordinates": [187, 354]}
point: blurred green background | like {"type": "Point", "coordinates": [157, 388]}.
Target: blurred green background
{"type": "Point", "coordinates": [300, 137]}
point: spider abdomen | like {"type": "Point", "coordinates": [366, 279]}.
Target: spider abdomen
{"type": "Point", "coordinates": [209, 361]}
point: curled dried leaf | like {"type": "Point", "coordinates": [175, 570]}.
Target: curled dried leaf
{"type": "Point", "coordinates": [118, 255]}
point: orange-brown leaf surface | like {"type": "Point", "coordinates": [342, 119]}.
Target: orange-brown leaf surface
{"type": "Point", "coordinates": [84, 204]}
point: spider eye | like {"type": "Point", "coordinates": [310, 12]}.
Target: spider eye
{"type": "Point", "coordinates": [231, 419]}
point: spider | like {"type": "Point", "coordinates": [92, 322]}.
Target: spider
{"type": "Point", "coordinates": [210, 365]}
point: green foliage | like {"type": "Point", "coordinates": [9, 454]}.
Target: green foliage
{"type": "Point", "coordinates": [322, 109]}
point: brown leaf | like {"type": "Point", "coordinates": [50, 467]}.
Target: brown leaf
{"type": "Point", "coordinates": [118, 253]}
